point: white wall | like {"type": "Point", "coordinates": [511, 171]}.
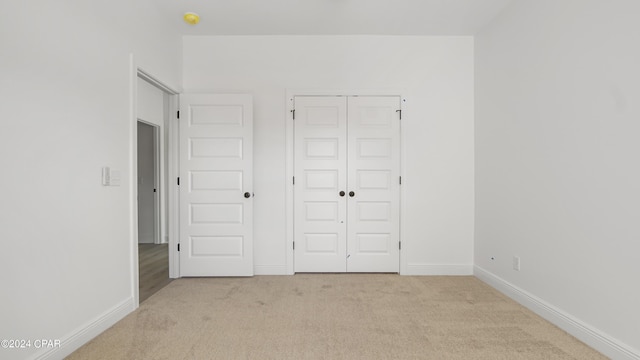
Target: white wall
{"type": "Point", "coordinates": [65, 263]}
{"type": "Point", "coordinates": [150, 103]}
{"type": "Point", "coordinates": [557, 166]}
{"type": "Point", "coordinates": [436, 74]}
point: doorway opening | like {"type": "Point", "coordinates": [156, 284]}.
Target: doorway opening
{"type": "Point", "coordinates": [148, 209]}
{"type": "Point", "coordinates": [153, 253]}
{"type": "Point", "coordinates": [154, 104]}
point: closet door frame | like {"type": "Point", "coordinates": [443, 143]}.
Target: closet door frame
{"type": "Point", "coordinates": [289, 135]}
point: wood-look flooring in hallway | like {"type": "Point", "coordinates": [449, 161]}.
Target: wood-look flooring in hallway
{"type": "Point", "coordinates": [153, 262]}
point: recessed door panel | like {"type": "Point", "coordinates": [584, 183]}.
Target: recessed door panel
{"type": "Point", "coordinates": [373, 211]}
{"type": "Point", "coordinates": [230, 115]}
{"type": "Point", "coordinates": [216, 246]}
{"type": "Point", "coordinates": [215, 148]}
{"type": "Point", "coordinates": [373, 148]}
{"type": "Point", "coordinates": [375, 116]}
{"type": "Point", "coordinates": [321, 244]}
{"type": "Point", "coordinates": [216, 214]}
{"type": "Point", "coordinates": [216, 164]}
{"type": "Point", "coordinates": [321, 211]}
{"type": "Point", "coordinates": [373, 243]}
{"type": "Point", "coordinates": [215, 180]}
{"type": "Point", "coordinates": [373, 179]}
{"type": "Point", "coordinates": [323, 115]}
{"type": "Point", "coordinates": [321, 179]}
{"type": "Point", "coordinates": [326, 149]}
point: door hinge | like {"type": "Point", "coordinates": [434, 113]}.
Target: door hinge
{"type": "Point", "coordinates": [294, 180]}
{"type": "Point", "coordinates": [178, 114]}
{"type": "Point", "coordinates": [178, 181]}
{"type": "Point", "coordinates": [294, 245]}
{"type": "Point", "coordinates": [399, 111]}
{"type": "Point", "coordinates": [154, 190]}
{"type": "Point", "coordinates": [294, 113]}
{"type": "Point", "coordinates": [178, 247]}
{"type": "Point", "coordinates": [399, 245]}
{"type": "Point", "coordinates": [400, 180]}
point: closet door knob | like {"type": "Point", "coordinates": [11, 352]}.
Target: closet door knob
{"type": "Point", "coordinates": [352, 194]}
{"type": "Point", "coordinates": [341, 193]}
{"type": "Point", "coordinates": [247, 195]}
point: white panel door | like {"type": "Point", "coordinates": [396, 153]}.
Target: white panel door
{"type": "Point", "coordinates": [373, 230]}
{"type": "Point", "coordinates": [216, 185]}
{"type": "Point", "coordinates": [320, 179]}
{"type": "Point", "coordinates": [346, 191]}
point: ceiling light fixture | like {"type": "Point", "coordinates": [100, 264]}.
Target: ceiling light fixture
{"type": "Point", "coordinates": [191, 18]}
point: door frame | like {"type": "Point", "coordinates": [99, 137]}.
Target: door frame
{"type": "Point", "coordinates": [289, 151]}
{"type": "Point", "coordinates": [171, 106]}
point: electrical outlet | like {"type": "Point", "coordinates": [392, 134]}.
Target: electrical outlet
{"type": "Point", "coordinates": [516, 263]}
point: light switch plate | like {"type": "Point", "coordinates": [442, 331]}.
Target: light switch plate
{"type": "Point", "coordinates": [110, 177]}
{"type": "Point", "coordinates": [106, 176]}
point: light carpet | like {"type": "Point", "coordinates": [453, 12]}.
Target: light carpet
{"type": "Point", "coordinates": [333, 316]}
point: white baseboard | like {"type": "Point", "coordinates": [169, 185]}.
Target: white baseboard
{"type": "Point", "coordinates": [412, 269]}
{"type": "Point", "coordinates": [439, 269]}
{"type": "Point", "coordinates": [270, 269]}
{"type": "Point", "coordinates": [84, 334]}
{"type": "Point", "coordinates": [585, 333]}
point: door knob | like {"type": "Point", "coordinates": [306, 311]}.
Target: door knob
{"type": "Point", "coordinates": [352, 194]}
{"type": "Point", "coordinates": [341, 193]}
{"type": "Point", "coordinates": [247, 195]}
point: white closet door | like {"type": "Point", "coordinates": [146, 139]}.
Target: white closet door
{"type": "Point", "coordinates": [216, 203]}
{"type": "Point", "coordinates": [319, 162]}
{"type": "Point", "coordinates": [373, 183]}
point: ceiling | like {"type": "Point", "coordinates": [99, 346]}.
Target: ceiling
{"type": "Point", "coordinates": [332, 17]}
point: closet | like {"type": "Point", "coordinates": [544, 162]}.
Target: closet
{"type": "Point", "coordinates": [347, 183]}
